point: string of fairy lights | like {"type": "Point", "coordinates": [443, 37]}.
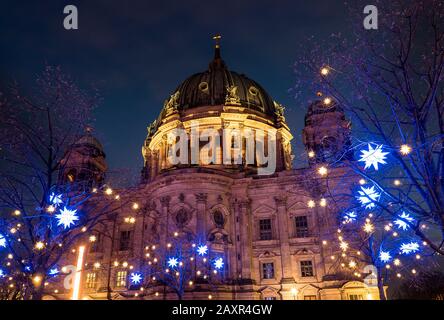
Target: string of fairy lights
{"type": "Point", "coordinates": [402, 242]}
{"type": "Point", "coordinates": [399, 240]}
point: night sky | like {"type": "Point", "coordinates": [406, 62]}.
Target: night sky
{"type": "Point", "coordinates": [138, 52]}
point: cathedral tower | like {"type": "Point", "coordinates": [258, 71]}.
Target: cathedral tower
{"type": "Point", "coordinates": [85, 163]}
{"type": "Point", "coordinates": [326, 134]}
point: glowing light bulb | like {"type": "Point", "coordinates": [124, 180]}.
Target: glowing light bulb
{"type": "Point", "coordinates": [39, 245]}
{"type": "Point", "coordinates": [311, 154]}
{"type": "Point", "coordinates": [325, 71]}
{"type": "Point", "coordinates": [327, 101]}
{"type": "Point", "coordinates": [322, 171]}
{"type": "Point", "coordinates": [311, 203]}
{"type": "Point", "coordinates": [405, 149]}
{"type": "Point", "coordinates": [135, 206]}
{"type": "Point", "coordinates": [109, 191]}
{"type": "Point", "coordinates": [323, 202]}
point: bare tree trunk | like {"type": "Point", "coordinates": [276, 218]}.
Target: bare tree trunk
{"type": "Point", "coordinates": [381, 285]}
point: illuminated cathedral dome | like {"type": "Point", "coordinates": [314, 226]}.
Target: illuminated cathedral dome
{"type": "Point", "coordinates": [211, 87]}
{"type": "Point", "coordinates": [217, 99]}
{"type": "Point", "coordinates": [218, 86]}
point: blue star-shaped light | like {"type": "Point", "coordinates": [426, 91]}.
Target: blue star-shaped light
{"type": "Point", "coordinates": [218, 263]}
{"type": "Point", "coordinates": [202, 250]}
{"type": "Point", "coordinates": [2, 241]}
{"type": "Point", "coordinates": [136, 278]}
{"type": "Point", "coordinates": [410, 247]}
{"type": "Point", "coordinates": [55, 199]}
{"type": "Point", "coordinates": [401, 222]}
{"type": "Point", "coordinates": [173, 262]}
{"type": "Point", "coordinates": [384, 256]}
{"type": "Point", "coordinates": [2, 273]}
{"type": "Point", "coordinates": [54, 271]}
{"type": "Point", "coordinates": [350, 217]}
{"type": "Point", "coordinates": [368, 196]}
{"type": "Point", "coordinates": [373, 157]}
{"type": "Point", "coordinates": [67, 217]}
{"type": "Point", "coordinates": [28, 268]}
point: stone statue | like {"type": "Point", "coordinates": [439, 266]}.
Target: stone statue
{"type": "Point", "coordinates": [172, 104]}
{"type": "Point", "coordinates": [279, 111]}
{"type": "Point", "coordinates": [232, 97]}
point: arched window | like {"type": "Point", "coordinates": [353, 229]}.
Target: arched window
{"type": "Point", "coordinates": [219, 219]}
{"type": "Point", "coordinates": [181, 217]}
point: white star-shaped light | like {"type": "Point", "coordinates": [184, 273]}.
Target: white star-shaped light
{"type": "Point", "coordinates": [350, 217]}
{"type": "Point", "coordinates": [2, 273]}
{"type": "Point", "coordinates": [401, 223]}
{"type": "Point", "coordinates": [411, 247]}
{"type": "Point", "coordinates": [218, 263]}
{"type": "Point", "coordinates": [373, 157]}
{"type": "Point", "coordinates": [173, 262]}
{"type": "Point", "coordinates": [343, 245]}
{"type": "Point", "coordinates": [368, 196]}
{"type": "Point", "coordinates": [54, 271]}
{"type": "Point", "coordinates": [384, 256]}
{"type": "Point", "coordinates": [202, 250]}
{"type": "Point", "coordinates": [2, 241]}
{"type": "Point", "coordinates": [55, 199]}
{"type": "Point", "coordinates": [67, 217]}
{"type": "Point", "coordinates": [136, 278]}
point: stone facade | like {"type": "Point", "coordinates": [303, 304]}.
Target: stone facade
{"type": "Point", "coordinates": [274, 243]}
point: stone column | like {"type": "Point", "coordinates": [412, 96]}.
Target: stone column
{"type": "Point", "coordinates": [286, 261]}
{"type": "Point", "coordinates": [164, 217]}
{"type": "Point", "coordinates": [154, 163]}
{"type": "Point", "coordinates": [201, 219]}
{"type": "Point", "coordinates": [246, 238]}
{"type": "Point", "coordinates": [163, 153]}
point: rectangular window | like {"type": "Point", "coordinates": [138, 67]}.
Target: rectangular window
{"type": "Point", "coordinates": [301, 224]}
{"type": "Point", "coordinates": [307, 268]}
{"type": "Point", "coordinates": [125, 240]}
{"type": "Point", "coordinates": [310, 297]}
{"type": "Point", "coordinates": [265, 232]}
{"type": "Point", "coordinates": [91, 279]}
{"type": "Point", "coordinates": [355, 296]}
{"type": "Point", "coordinates": [268, 270]}
{"type": "Point", "coordinates": [121, 279]}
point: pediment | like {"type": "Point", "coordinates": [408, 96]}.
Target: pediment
{"type": "Point", "coordinates": [264, 209]}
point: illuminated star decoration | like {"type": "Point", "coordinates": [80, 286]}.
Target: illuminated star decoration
{"type": "Point", "coordinates": [350, 217]}
{"type": "Point", "coordinates": [343, 245]}
{"type": "Point", "coordinates": [401, 223]}
{"type": "Point", "coordinates": [2, 241]}
{"type": "Point", "coordinates": [384, 256]}
{"type": "Point", "coordinates": [2, 273]}
{"type": "Point", "coordinates": [411, 247]}
{"type": "Point", "coordinates": [67, 217]}
{"type": "Point", "coordinates": [136, 278]}
{"type": "Point", "coordinates": [54, 272]}
{"type": "Point", "coordinates": [202, 250]}
{"type": "Point", "coordinates": [218, 263]}
{"type": "Point", "coordinates": [367, 197]}
{"type": "Point", "coordinates": [373, 157]}
{"type": "Point", "coordinates": [55, 199]}
{"type": "Point", "coordinates": [172, 262]}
